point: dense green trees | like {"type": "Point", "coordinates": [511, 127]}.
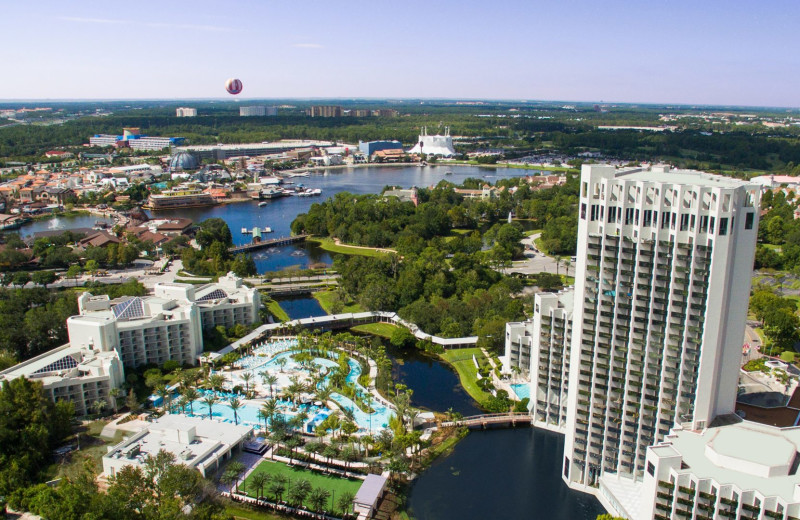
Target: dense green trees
{"type": "Point", "coordinates": [31, 426]}
{"type": "Point", "coordinates": [160, 489]}
{"type": "Point", "coordinates": [214, 257]}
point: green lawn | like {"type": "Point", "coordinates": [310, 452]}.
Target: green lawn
{"type": "Point", "coordinates": [240, 511]}
{"type": "Point", "coordinates": [277, 311]}
{"type": "Point", "coordinates": [383, 330]}
{"type": "Point", "coordinates": [328, 245]}
{"type": "Point", "coordinates": [461, 360]}
{"type": "Point", "coordinates": [334, 484]}
{"type": "Point", "coordinates": [93, 447]}
{"type": "Point", "coordinates": [325, 299]}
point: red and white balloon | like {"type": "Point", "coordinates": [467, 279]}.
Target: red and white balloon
{"type": "Point", "coordinates": [233, 86]}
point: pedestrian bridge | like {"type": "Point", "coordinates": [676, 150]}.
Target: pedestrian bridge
{"type": "Point", "coordinates": [492, 419]}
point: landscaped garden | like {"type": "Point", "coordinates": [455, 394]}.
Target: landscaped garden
{"type": "Point", "coordinates": [289, 476]}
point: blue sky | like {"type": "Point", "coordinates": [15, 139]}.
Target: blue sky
{"type": "Point", "coordinates": [695, 52]}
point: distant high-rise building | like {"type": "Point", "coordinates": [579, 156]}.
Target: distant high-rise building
{"type": "Point", "coordinates": [185, 112]}
{"type": "Point", "coordinates": [258, 110]}
{"type": "Point", "coordinates": [324, 111]}
{"type": "Point", "coordinates": [661, 293]}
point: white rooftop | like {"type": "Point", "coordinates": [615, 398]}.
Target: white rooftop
{"type": "Point", "coordinates": [669, 175]}
{"type": "Point", "coordinates": [190, 439]}
{"type": "Point", "coordinates": [747, 454]}
{"type": "Point", "coordinates": [64, 361]}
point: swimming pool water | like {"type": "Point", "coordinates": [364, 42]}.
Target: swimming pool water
{"type": "Point", "coordinates": [523, 390]}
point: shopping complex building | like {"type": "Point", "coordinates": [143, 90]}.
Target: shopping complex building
{"type": "Point", "coordinates": [109, 335]}
{"type": "Point", "coordinates": [651, 340]}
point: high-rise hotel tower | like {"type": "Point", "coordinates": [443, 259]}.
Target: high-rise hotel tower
{"type": "Point", "coordinates": [661, 292]}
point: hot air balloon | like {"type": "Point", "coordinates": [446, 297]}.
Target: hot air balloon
{"type": "Point", "coordinates": [233, 86]}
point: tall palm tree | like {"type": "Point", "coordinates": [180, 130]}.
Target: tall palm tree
{"type": "Point", "coordinates": [247, 377]}
{"type": "Point", "coordinates": [271, 380]}
{"type": "Point", "coordinates": [164, 394]}
{"type": "Point", "coordinates": [191, 394]}
{"type": "Point", "coordinates": [114, 393]}
{"type": "Point", "coordinates": [270, 408]}
{"type": "Point", "coordinates": [236, 468]}
{"type": "Point", "coordinates": [235, 403]}
{"type": "Point", "coordinates": [210, 400]}
{"type": "Point", "coordinates": [317, 498]}
{"type": "Point", "coordinates": [259, 480]}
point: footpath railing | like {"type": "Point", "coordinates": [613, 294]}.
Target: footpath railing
{"type": "Point", "coordinates": [512, 418]}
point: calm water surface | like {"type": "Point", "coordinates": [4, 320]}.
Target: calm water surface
{"type": "Point", "coordinates": [500, 474]}
{"type": "Point", "coordinates": [435, 384]}
{"type": "Point", "coordinates": [301, 307]}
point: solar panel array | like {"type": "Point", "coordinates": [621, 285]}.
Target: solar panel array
{"type": "Point", "coordinates": [216, 294]}
{"type": "Point", "coordinates": [64, 363]}
{"type": "Point", "coordinates": [132, 308]}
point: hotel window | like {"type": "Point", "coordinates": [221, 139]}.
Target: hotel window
{"type": "Point", "coordinates": [723, 226]}
{"type": "Point", "coordinates": [749, 219]}
{"type": "Point", "coordinates": [583, 211]}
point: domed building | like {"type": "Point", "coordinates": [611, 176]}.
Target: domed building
{"type": "Point", "coordinates": [183, 161]}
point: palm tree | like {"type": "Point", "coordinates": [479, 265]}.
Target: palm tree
{"type": "Point", "coordinates": [210, 400]}
{"type": "Point", "coordinates": [259, 480]}
{"type": "Point", "coordinates": [191, 394]}
{"type": "Point", "coordinates": [98, 406]}
{"type": "Point", "coordinates": [270, 408]}
{"type": "Point", "coordinates": [246, 377]}
{"type": "Point", "coordinates": [235, 403]}
{"type": "Point", "coordinates": [163, 393]}
{"type": "Point", "coordinates": [323, 394]}
{"type": "Point", "coordinates": [317, 498]}
{"type": "Point", "coordinates": [271, 380]}
{"type": "Point", "coordinates": [278, 486]}
{"type": "Point", "coordinates": [182, 404]}
{"type": "Point", "coordinates": [229, 478]}
{"type": "Point", "coordinates": [300, 491]}
{"type": "Point", "coordinates": [282, 363]}
{"type": "Point", "coordinates": [236, 468]}
{"type": "Point", "coordinates": [345, 502]}
{"type": "Point", "coordinates": [215, 381]}
{"type": "Point", "coordinates": [113, 394]}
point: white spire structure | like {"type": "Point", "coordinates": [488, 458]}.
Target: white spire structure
{"type": "Point", "coordinates": [438, 145]}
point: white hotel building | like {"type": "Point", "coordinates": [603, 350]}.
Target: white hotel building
{"type": "Point", "coordinates": [109, 335]}
{"type": "Point", "coordinates": [539, 348]}
{"type": "Point", "coordinates": [661, 293]}
{"type": "Point", "coordinates": [165, 326]}
{"type": "Point", "coordinates": [74, 373]}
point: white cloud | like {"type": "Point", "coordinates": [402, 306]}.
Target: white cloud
{"type": "Point", "coordinates": [308, 45]}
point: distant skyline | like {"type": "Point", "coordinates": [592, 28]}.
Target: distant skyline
{"type": "Point", "coordinates": [710, 52]}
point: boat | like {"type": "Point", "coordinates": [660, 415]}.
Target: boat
{"type": "Point", "coordinates": [448, 173]}
{"type": "Point", "coordinates": [180, 198]}
{"type": "Point", "coordinates": [245, 231]}
{"type": "Point", "coordinates": [262, 204]}
{"type": "Point", "coordinates": [316, 191]}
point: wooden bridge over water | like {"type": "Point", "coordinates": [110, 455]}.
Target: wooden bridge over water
{"type": "Point", "coordinates": [492, 419]}
{"type": "Point", "coordinates": [280, 241]}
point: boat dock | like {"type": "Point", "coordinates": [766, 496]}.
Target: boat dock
{"type": "Point", "coordinates": [256, 231]}
{"type": "Point", "coordinates": [281, 241]}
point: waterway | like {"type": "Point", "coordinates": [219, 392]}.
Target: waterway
{"type": "Point", "coordinates": [301, 307]}
{"type": "Point", "coordinates": [435, 384]}
{"type": "Point", "coordinates": [62, 223]}
{"type": "Point", "coordinates": [503, 473]}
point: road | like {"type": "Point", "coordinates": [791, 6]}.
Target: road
{"type": "Point", "coordinates": [537, 262]}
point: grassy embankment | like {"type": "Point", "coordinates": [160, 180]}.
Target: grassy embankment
{"type": "Point", "coordinates": [328, 245]}
{"type": "Point", "coordinates": [383, 330]}
{"type": "Point", "coordinates": [325, 299]}
{"type": "Point", "coordinates": [277, 311]}
{"type": "Point", "coordinates": [332, 483]}
{"type": "Point", "coordinates": [241, 511]}
{"type": "Point", "coordinates": [461, 360]}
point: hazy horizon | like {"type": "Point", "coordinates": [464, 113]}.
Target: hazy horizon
{"type": "Point", "coordinates": [718, 53]}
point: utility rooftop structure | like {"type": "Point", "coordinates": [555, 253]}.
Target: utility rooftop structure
{"type": "Point", "coordinates": [199, 443]}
